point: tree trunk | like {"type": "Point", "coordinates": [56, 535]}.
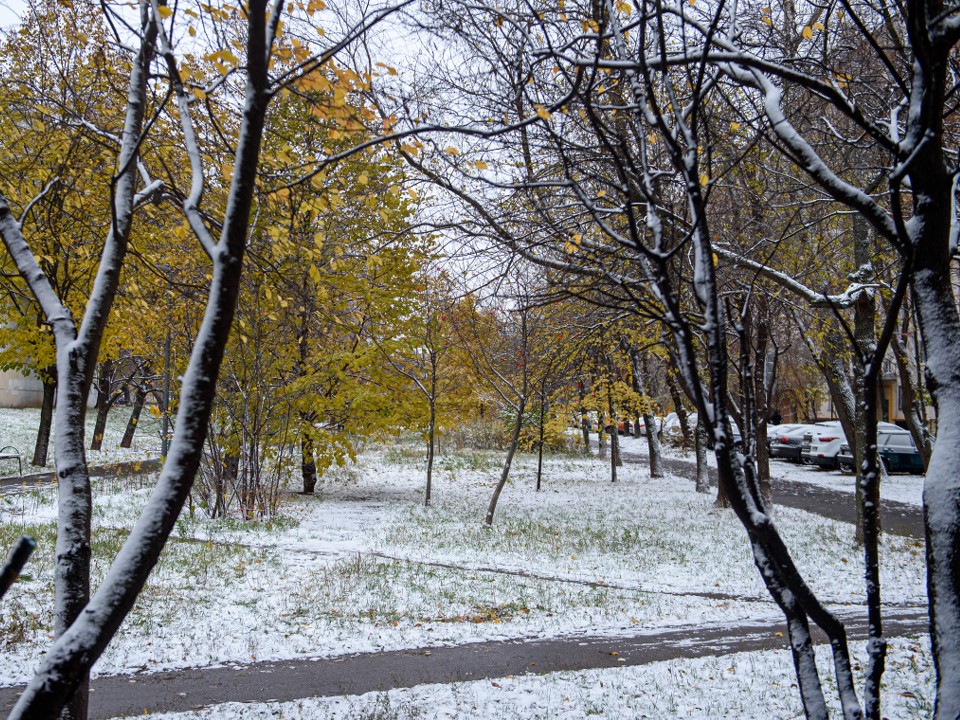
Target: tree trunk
{"type": "Point", "coordinates": [42, 445]}
{"type": "Point", "coordinates": [104, 402]}
{"type": "Point", "coordinates": [584, 419]}
{"type": "Point", "coordinates": [913, 410]}
{"type": "Point", "coordinates": [139, 399]}
{"type": "Point", "coordinates": [100, 426]}
{"type": "Point", "coordinates": [308, 464]}
{"type": "Point", "coordinates": [614, 434]}
{"type": "Point", "coordinates": [653, 446]}
{"type": "Point", "coordinates": [941, 489]}
{"type": "Point", "coordinates": [864, 339]}
{"type": "Point", "coordinates": [703, 470]}
{"type": "Point", "coordinates": [72, 576]}
{"type": "Point", "coordinates": [543, 410]}
{"type": "Point", "coordinates": [514, 441]}
{"type": "Point", "coordinates": [760, 411]}
{"type": "Point", "coordinates": [677, 398]}
{"type": "Point", "coordinates": [431, 439]}
{"type": "Point", "coordinates": [614, 452]}
{"type": "Point", "coordinates": [640, 373]}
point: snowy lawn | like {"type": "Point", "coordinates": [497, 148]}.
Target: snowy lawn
{"type": "Point", "coordinates": [364, 566]}
{"type": "Point", "coordinates": [747, 686]}
{"type": "Point", "coordinates": [19, 428]}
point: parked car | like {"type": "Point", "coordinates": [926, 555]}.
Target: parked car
{"type": "Point", "coordinates": [784, 441]}
{"type": "Point", "coordinates": [899, 453]}
{"type": "Point", "coordinates": [671, 424]}
{"type": "Point", "coordinates": [821, 443]}
{"type": "Point", "coordinates": [671, 428]}
{"type": "Point", "coordinates": [657, 424]}
{"type": "Point", "coordinates": [624, 427]}
{"type": "Point", "coordinates": [845, 460]}
{"type": "Point", "coordinates": [895, 446]}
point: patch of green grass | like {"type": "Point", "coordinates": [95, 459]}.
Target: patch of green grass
{"type": "Point", "coordinates": [405, 455]}
{"type": "Point", "coordinates": [26, 613]}
{"type": "Point", "coordinates": [476, 460]}
{"type": "Point", "coordinates": [385, 592]}
{"type": "Point", "coordinates": [559, 536]}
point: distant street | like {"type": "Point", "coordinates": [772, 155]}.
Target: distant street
{"type": "Point", "coordinates": [895, 518]}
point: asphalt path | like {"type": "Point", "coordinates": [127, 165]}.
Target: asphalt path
{"type": "Point", "coordinates": [895, 518]}
{"type": "Point", "coordinates": [287, 680]}
{"type": "Point", "coordinates": [18, 483]}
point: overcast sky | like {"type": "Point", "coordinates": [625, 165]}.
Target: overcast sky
{"type": "Point", "coordinates": [10, 12]}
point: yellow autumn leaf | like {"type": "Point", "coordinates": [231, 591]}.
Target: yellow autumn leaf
{"type": "Point", "coordinates": [363, 179]}
{"type": "Point", "coordinates": [767, 20]}
{"type": "Point", "coordinates": [818, 26]}
{"type": "Point", "coordinates": [542, 112]}
{"type": "Point", "coordinates": [704, 179]}
{"type": "Point", "coordinates": [452, 151]}
{"type": "Point", "coordinates": [199, 94]}
{"type": "Point", "coordinates": [734, 126]}
{"type": "Point", "coordinates": [480, 165]}
{"type": "Point", "coordinates": [807, 33]}
{"type": "Point", "coordinates": [601, 193]}
{"type": "Point", "coordinates": [716, 259]}
{"type": "Point", "coordinates": [164, 11]}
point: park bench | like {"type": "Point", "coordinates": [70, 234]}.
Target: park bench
{"type": "Point", "coordinates": [11, 453]}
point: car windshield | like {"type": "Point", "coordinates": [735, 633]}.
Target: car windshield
{"type": "Point", "coordinates": [896, 441]}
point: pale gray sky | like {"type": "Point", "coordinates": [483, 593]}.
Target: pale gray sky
{"type": "Point", "coordinates": [10, 12]}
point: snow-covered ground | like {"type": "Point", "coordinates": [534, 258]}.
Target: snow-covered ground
{"type": "Point", "coordinates": [18, 427]}
{"type": "Point", "coordinates": [363, 566]}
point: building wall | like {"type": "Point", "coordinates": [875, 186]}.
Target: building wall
{"type": "Point", "coordinates": [18, 390]}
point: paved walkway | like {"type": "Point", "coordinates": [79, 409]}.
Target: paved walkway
{"type": "Point", "coordinates": [17, 483]}
{"type": "Point", "coordinates": [356, 674]}
{"type": "Point", "coordinates": [895, 518]}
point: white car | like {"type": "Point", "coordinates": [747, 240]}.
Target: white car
{"type": "Point", "coordinates": [821, 443]}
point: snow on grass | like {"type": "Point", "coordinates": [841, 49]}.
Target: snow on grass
{"type": "Point", "coordinates": [19, 428]}
{"type": "Point", "coordinates": [364, 566]}
{"type": "Point", "coordinates": [747, 686]}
